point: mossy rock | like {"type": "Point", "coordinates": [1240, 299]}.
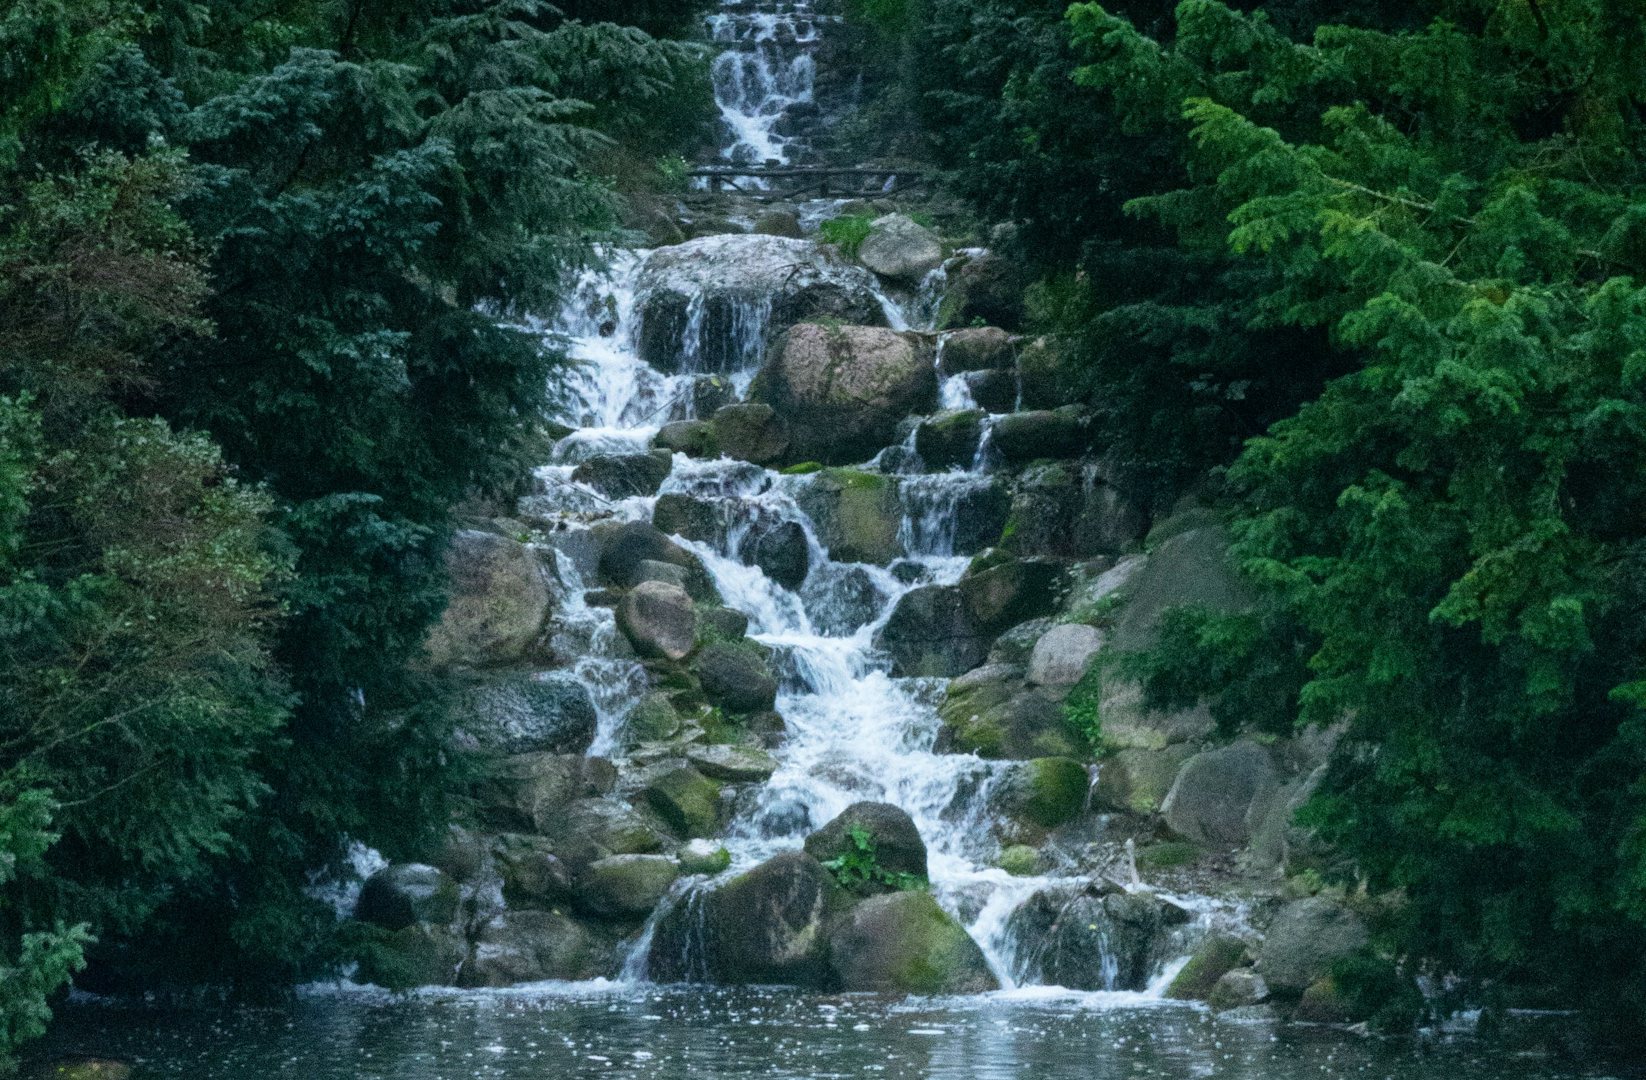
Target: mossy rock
{"type": "Point", "coordinates": [1213, 958]}
{"type": "Point", "coordinates": [1047, 792]}
{"type": "Point", "coordinates": [736, 676]}
{"type": "Point", "coordinates": [654, 719]}
{"type": "Point", "coordinates": [625, 886]}
{"type": "Point", "coordinates": [413, 956]}
{"type": "Point", "coordinates": [704, 856]}
{"type": "Point", "coordinates": [1003, 721]}
{"type": "Point", "coordinates": [905, 943]}
{"type": "Point", "coordinates": [805, 468]}
{"type": "Point", "coordinates": [1020, 860]}
{"type": "Point", "coordinates": [686, 800]}
{"type": "Point", "coordinates": [856, 514]}
{"type": "Point", "coordinates": [1136, 781]}
{"type": "Point", "coordinates": [1324, 1003]}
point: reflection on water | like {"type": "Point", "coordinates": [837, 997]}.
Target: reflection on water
{"type": "Point", "coordinates": [623, 1031]}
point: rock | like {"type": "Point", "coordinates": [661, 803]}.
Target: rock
{"type": "Point", "coordinates": [994, 391]}
{"type": "Point", "coordinates": [1029, 436]}
{"type": "Point", "coordinates": [1238, 989]}
{"type": "Point", "coordinates": [694, 438]}
{"type": "Point", "coordinates": [625, 886]}
{"type": "Point", "coordinates": [754, 433]}
{"type": "Point", "coordinates": [1213, 958]}
{"type": "Point", "coordinates": [736, 677]}
{"type": "Point", "coordinates": [1003, 721]}
{"type": "Point", "coordinates": [856, 514]}
{"type": "Point", "coordinates": [499, 599]}
{"type": "Point", "coordinates": [931, 633]}
{"type": "Point", "coordinates": [461, 854]}
{"type": "Point", "coordinates": [768, 926]}
{"type": "Point", "coordinates": [397, 896]}
{"type": "Point", "coordinates": [1323, 1003]}
{"type": "Point", "coordinates": [708, 393]}
{"type": "Point", "coordinates": [1129, 724]}
{"type": "Point", "coordinates": [534, 946]}
{"type": "Point", "coordinates": [1020, 860]}
{"type": "Point", "coordinates": [904, 943]}
{"type": "Point", "coordinates": [724, 623]}
{"type": "Point", "coordinates": [841, 598]}
{"type": "Point", "coordinates": [625, 546]}
{"type": "Point", "coordinates": [663, 573]}
{"type": "Point", "coordinates": [526, 790]}
{"type": "Point", "coordinates": [1060, 659]}
{"type": "Point", "coordinates": [954, 514]}
{"type": "Point", "coordinates": [1000, 590]}
{"type": "Point", "coordinates": [901, 249]}
{"type": "Point", "coordinates": [1044, 793]}
{"type": "Point", "coordinates": [1306, 938]}
{"type": "Point", "coordinates": [659, 620]}
{"type": "Point", "coordinates": [653, 719]}
{"type": "Point", "coordinates": [1071, 512]}
{"type": "Point", "coordinates": [980, 348]}
{"type": "Point", "coordinates": [735, 764]}
{"type": "Point", "coordinates": [1043, 374]}
{"type": "Point", "coordinates": [551, 713]}
{"type": "Point", "coordinates": [778, 222]}
{"type": "Point", "coordinates": [1188, 569]}
{"type": "Point", "coordinates": [686, 800]}
{"type": "Point", "coordinates": [1221, 796]}
{"type": "Point", "coordinates": [418, 955]}
{"type": "Point", "coordinates": [1016, 645]}
{"type": "Point", "coordinates": [780, 549]}
{"type": "Point", "coordinates": [949, 439]}
{"type": "Point", "coordinates": [745, 287]}
{"type": "Point", "coordinates": [703, 856]}
{"type": "Point", "coordinates": [81, 1068]}
{"type": "Point", "coordinates": [987, 287]}
{"type": "Point", "coordinates": [1137, 781]}
{"type": "Point", "coordinates": [588, 830]}
{"type": "Point", "coordinates": [1096, 939]}
{"type": "Point", "coordinates": [623, 476]}
{"type": "Point", "coordinates": [843, 389]}
{"type": "Point", "coordinates": [533, 875]}
{"type": "Point", "coordinates": [898, 848]}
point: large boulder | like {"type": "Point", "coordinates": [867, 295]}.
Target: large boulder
{"type": "Point", "coordinates": [1096, 938]}
{"type": "Point", "coordinates": [526, 791]}
{"type": "Point", "coordinates": [1305, 940]}
{"type": "Point", "coordinates": [499, 599]}
{"type": "Point", "coordinates": [733, 764]}
{"type": "Point", "coordinates": [842, 598]}
{"type": "Point", "coordinates": [1221, 796]}
{"type": "Point", "coordinates": [1130, 724]}
{"type": "Point", "coordinates": [780, 549]}
{"type": "Point", "coordinates": [843, 389]}
{"type": "Point", "coordinates": [413, 956]}
{"type": "Point", "coordinates": [1060, 658]}
{"type": "Point", "coordinates": [688, 517]}
{"type": "Point", "coordinates": [1023, 437]}
{"type": "Point", "coordinates": [767, 926]}
{"type": "Point", "coordinates": [626, 547]}
{"type": "Point", "coordinates": [1070, 511]}
{"type": "Point", "coordinates": [709, 304]}
{"type": "Point", "coordinates": [1136, 780]}
{"type": "Point", "coordinates": [534, 946]}
{"type": "Point", "coordinates": [901, 249]}
{"type": "Point", "coordinates": [549, 713]}
{"type": "Point", "coordinates": [1041, 794]}
{"type": "Point", "coordinates": [1212, 959]}
{"type": "Point", "coordinates": [659, 619]}
{"type": "Point", "coordinates": [736, 677]}
{"type": "Point", "coordinates": [999, 718]}
{"type": "Point", "coordinates": [397, 896]}
{"type": "Point", "coordinates": [986, 286]}
{"type": "Point", "coordinates": [1001, 590]}
{"type": "Point", "coordinates": [686, 800]}
{"type": "Point", "coordinates": [953, 514]}
{"type": "Point", "coordinates": [904, 943]}
{"type": "Point", "coordinates": [931, 633]}
{"type": "Point", "coordinates": [949, 439]}
{"type": "Point", "coordinates": [694, 438]}
{"type": "Point", "coordinates": [533, 875]}
{"type": "Point", "coordinates": [588, 830]}
{"type": "Point", "coordinates": [751, 432]}
{"type": "Point", "coordinates": [622, 476]}
{"type": "Point", "coordinates": [625, 886]}
{"type": "Point", "coordinates": [857, 514]}
{"type": "Point", "coordinates": [887, 830]}
{"type": "Point", "coordinates": [1190, 568]}
{"type": "Point", "coordinates": [979, 348]}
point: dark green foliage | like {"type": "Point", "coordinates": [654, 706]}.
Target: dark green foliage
{"type": "Point", "coordinates": [260, 274]}
{"type": "Point", "coordinates": [847, 232]}
{"type": "Point", "coordinates": [1376, 991]}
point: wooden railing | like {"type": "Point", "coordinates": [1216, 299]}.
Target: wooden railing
{"type": "Point", "coordinates": [793, 181]}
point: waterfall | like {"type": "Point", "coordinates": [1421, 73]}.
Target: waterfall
{"type": "Point", "coordinates": [765, 76]}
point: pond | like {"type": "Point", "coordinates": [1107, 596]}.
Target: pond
{"type": "Point", "coordinates": [662, 1033]}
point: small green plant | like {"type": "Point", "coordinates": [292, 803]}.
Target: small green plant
{"type": "Point", "coordinates": [859, 866]}
{"type": "Point", "coordinates": [673, 170]}
{"type": "Point", "coordinates": [847, 232]}
{"type": "Point", "coordinates": [1082, 711]}
{"type": "Point", "coordinates": [1166, 855]}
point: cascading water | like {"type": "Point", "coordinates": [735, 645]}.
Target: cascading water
{"type": "Point", "coordinates": [765, 71]}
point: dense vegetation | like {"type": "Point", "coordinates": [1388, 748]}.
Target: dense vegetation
{"type": "Point", "coordinates": [1372, 273]}
{"type": "Point", "coordinates": [252, 260]}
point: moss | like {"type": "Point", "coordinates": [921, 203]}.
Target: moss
{"type": "Point", "coordinates": [1167, 854]}
{"type": "Point", "coordinates": [1020, 860]}
{"type": "Point", "coordinates": [847, 232]}
{"type": "Point", "coordinates": [1215, 957]}
{"type": "Point", "coordinates": [805, 468]}
{"type": "Point", "coordinates": [1057, 791]}
{"type": "Point", "coordinates": [858, 480]}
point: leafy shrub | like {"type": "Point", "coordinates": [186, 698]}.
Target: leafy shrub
{"type": "Point", "coordinates": [860, 866]}
{"type": "Point", "coordinates": [847, 232]}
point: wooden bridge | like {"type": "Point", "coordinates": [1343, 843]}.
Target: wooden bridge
{"type": "Point", "coordinates": [774, 181]}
